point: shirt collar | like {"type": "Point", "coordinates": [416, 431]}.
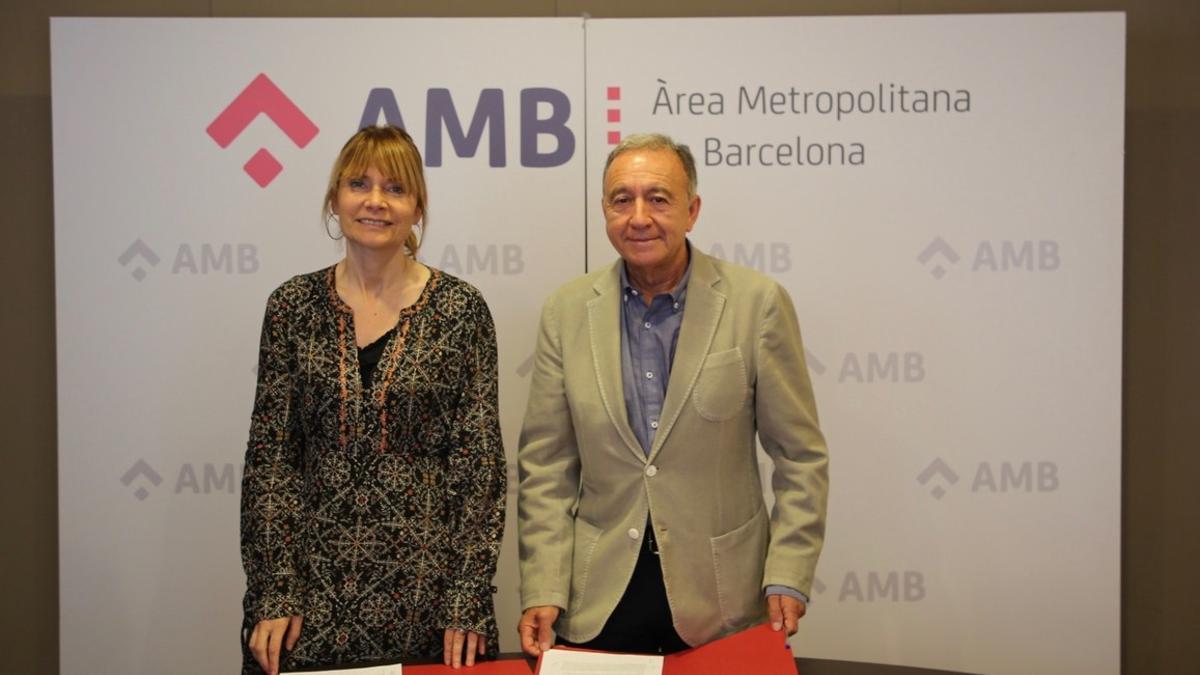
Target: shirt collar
{"type": "Point", "coordinates": [677, 294]}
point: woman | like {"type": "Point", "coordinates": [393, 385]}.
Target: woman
{"type": "Point", "coordinates": [374, 486]}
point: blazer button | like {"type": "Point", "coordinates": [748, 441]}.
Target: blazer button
{"type": "Point", "coordinates": [651, 470]}
{"type": "Point", "coordinates": [633, 533]}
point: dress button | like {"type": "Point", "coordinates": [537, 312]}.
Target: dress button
{"type": "Point", "coordinates": [654, 424]}
{"type": "Point", "coordinates": [649, 375]}
{"type": "Point", "coordinates": [647, 324]}
{"type": "Point", "coordinates": [633, 533]}
{"type": "Point", "coordinates": [651, 470]}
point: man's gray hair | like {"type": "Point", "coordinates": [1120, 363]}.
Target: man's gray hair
{"type": "Point", "coordinates": [657, 142]}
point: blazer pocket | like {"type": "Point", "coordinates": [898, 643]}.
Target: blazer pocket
{"type": "Point", "coordinates": [586, 538]}
{"type": "Point", "coordinates": [721, 389]}
{"type": "Point", "coordinates": [738, 557]}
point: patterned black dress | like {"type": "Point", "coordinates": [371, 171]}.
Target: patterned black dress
{"type": "Point", "coordinates": [375, 513]}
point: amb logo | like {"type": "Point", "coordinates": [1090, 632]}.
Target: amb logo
{"type": "Point", "coordinates": [542, 113]}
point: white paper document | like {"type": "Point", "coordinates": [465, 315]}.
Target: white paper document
{"type": "Point", "coordinates": [569, 662]}
{"type": "Point", "coordinates": [372, 670]}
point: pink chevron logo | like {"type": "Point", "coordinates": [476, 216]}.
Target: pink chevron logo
{"type": "Point", "coordinates": [262, 97]}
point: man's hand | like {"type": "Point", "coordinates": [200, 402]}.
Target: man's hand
{"type": "Point", "coordinates": [536, 629]}
{"type": "Point", "coordinates": [269, 635]}
{"type": "Point", "coordinates": [785, 612]}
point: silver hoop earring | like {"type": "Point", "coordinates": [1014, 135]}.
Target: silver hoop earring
{"type": "Point", "coordinates": [329, 217]}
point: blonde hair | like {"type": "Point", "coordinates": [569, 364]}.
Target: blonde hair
{"type": "Point", "coordinates": [390, 150]}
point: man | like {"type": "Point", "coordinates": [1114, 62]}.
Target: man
{"type": "Point", "coordinates": [641, 515]}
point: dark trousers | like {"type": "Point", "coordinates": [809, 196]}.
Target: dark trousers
{"type": "Point", "coordinates": [641, 623]}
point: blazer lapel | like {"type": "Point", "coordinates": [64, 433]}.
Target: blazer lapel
{"type": "Point", "coordinates": [604, 333]}
{"type": "Point", "coordinates": [701, 314]}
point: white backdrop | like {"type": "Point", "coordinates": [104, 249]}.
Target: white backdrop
{"type": "Point", "coordinates": [160, 370]}
{"type": "Point", "coordinates": [955, 259]}
{"type": "Point", "coordinates": [958, 281]}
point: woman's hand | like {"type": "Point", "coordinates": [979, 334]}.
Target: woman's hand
{"type": "Point", "coordinates": [454, 642]}
{"type": "Point", "coordinates": [267, 637]}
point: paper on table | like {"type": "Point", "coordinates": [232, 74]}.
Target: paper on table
{"type": "Point", "coordinates": [370, 670]}
{"type": "Point", "coordinates": [573, 662]}
{"type": "Point", "coordinates": [510, 666]}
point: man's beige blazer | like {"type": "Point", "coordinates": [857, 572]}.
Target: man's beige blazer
{"type": "Point", "coordinates": [587, 487]}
